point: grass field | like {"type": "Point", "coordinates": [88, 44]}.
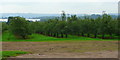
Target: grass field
{"type": "Point", "coordinates": [11, 53]}
{"type": "Point", "coordinates": [37, 37]}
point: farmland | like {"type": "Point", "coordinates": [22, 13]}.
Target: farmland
{"type": "Point", "coordinates": [50, 47]}
{"type": "Point", "coordinates": [61, 38]}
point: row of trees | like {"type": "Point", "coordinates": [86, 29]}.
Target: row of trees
{"type": "Point", "coordinates": [66, 25]}
{"type": "Point", "coordinates": [76, 26]}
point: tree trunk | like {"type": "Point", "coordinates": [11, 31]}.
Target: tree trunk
{"type": "Point", "coordinates": [82, 34]}
{"type": "Point", "coordinates": [41, 32]}
{"type": "Point", "coordinates": [23, 37]}
{"type": "Point", "coordinates": [103, 36]}
{"type": "Point", "coordinates": [54, 35]}
{"type": "Point", "coordinates": [61, 35]}
{"type": "Point", "coordinates": [95, 35]}
{"type": "Point", "coordinates": [57, 35]}
{"type": "Point", "coordinates": [51, 34]}
{"type": "Point", "coordinates": [48, 33]}
{"type": "Point", "coordinates": [88, 35]}
{"type": "Point", "coordinates": [66, 35]}
{"type": "Point", "coordinates": [44, 33]}
{"type": "Point", "coordinates": [111, 35]}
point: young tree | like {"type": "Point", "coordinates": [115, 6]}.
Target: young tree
{"type": "Point", "coordinates": [20, 27]}
{"type": "Point", "coordinates": [61, 28]}
{"type": "Point", "coordinates": [104, 26]}
{"type": "Point", "coordinates": [95, 26]}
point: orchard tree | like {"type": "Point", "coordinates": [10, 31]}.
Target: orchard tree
{"type": "Point", "coordinates": [63, 16]}
{"type": "Point", "coordinates": [72, 18]}
{"type": "Point", "coordinates": [20, 27]}
{"type": "Point", "coordinates": [103, 24]}
{"type": "Point", "coordinates": [4, 26]}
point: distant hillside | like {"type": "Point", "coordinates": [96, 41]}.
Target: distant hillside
{"type": "Point", "coordinates": [26, 15]}
{"type": "Point", "coordinates": [33, 15]}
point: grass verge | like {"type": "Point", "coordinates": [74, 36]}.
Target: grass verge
{"type": "Point", "coordinates": [38, 38]}
{"type": "Point", "coordinates": [5, 54]}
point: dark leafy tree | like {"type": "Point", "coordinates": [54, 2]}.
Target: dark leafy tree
{"type": "Point", "coordinates": [19, 27]}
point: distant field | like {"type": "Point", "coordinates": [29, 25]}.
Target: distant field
{"type": "Point", "coordinates": [38, 37]}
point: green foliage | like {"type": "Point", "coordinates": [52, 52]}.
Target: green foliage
{"type": "Point", "coordinates": [72, 18]}
{"type": "Point", "coordinates": [104, 25]}
{"type": "Point", "coordinates": [19, 27]}
{"type": "Point", "coordinates": [4, 26]}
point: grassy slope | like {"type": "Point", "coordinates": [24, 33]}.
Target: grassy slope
{"type": "Point", "coordinates": [37, 37]}
{"type": "Point", "coordinates": [11, 53]}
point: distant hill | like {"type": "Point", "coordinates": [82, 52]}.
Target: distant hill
{"type": "Point", "coordinates": [34, 15]}
{"type": "Point", "coordinates": [26, 15]}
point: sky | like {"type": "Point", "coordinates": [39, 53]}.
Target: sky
{"type": "Point", "coordinates": [56, 6]}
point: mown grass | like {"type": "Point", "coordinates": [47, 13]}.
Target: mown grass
{"type": "Point", "coordinates": [12, 53]}
{"type": "Point", "coordinates": [6, 36]}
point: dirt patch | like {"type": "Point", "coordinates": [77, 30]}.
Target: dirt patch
{"type": "Point", "coordinates": [102, 54]}
{"type": "Point", "coordinates": [67, 49]}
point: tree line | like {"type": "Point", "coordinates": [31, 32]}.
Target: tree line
{"type": "Point", "coordinates": [63, 26]}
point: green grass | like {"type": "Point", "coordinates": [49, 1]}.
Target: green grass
{"type": "Point", "coordinates": [11, 53]}
{"type": "Point", "coordinates": [38, 37]}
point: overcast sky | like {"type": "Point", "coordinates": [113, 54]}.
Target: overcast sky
{"type": "Point", "coordinates": [56, 6]}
